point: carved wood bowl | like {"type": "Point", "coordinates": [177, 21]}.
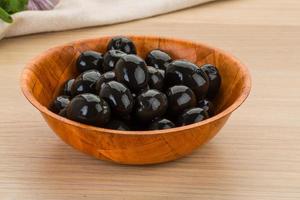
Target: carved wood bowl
{"type": "Point", "coordinates": [44, 76]}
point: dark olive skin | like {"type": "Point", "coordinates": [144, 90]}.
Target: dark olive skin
{"type": "Point", "coordinates": [118, 96]}
{"type": "Point", "coordinates": [89, 109]}
{"type": "Point", "coordinates": [144, 89]}
{"type": "Point", "coordinates": [123, 44]}
{"type": "Point", "coordinates": [85, 82]}
{"type": "Point", "coordinates": [214, 80]}
{"type": "Point", "coordinates": [110, 59]}
{"type": "Point", "coordinates": [63, 112]}
{"type": "Point", "coordinates": [89, 60]}
{"type": "Point", "coordinates": [191, 116]}
{"type": "Point", "coordinates": [158, 59]}
{"type": "Point", "coordinates": [67, 87]}
{"type": "Point", "coordinates": [59, 103]}
{"type": "Point", "coordinates": [161, 124]}
{"type": "Point", "coordinates": [162, 72]}
{"type": "Point", "coordinates": [208, 106]}
{"type": "Point", "coordinates": [156, 79]}
{"type": "Point", "coordinates": [180, 98]}
{"type": "Point", "coordinates": [117, 125]}
{"type": "Point", "coordinates": [182, 72]}
{"type": "Point", "coordinates": [132, 71]}
{"type": "Point", "coordinates": [104, 78]}
{"type": "Point", "coordinates": [126, 118]}
{"type": "Point", "coordinates": [134, 95]}
{"type": "Point", "coordinates": [151, 104]}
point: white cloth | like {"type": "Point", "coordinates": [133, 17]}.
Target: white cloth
{"type": "Point", "coordinates": [70, 14]}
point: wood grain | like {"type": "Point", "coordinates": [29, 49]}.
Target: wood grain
{"type": "Point", "coordinates": [44, 77]}
{"type": "Point", "coordinates": [255, 156]}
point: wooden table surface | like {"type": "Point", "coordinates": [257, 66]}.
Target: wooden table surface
{"type": "Point", "coordinates": [255, 156]}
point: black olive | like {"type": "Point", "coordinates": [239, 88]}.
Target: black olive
{"type": "Point", "coordinates": [144, 89]}
{"type": "Point", "coordinates": [132, 71]}
{"type": "Point", "coordinates": [191, 116]}
{"type": "Point", "coordinates": [126, 118]}
{"type": "Point", "coordinates": [134, 95]}
{"type": "Point", "coordinates": [214, 79]}
{"type": "Point", "coordinates": [182, 72]}
{"type": "Point", "coordinates": [162, 72]}
{"type": "Point", "coordinates": [123, 44]}
{"type": "Point", "coordinates": [180, 98]}
{"type": "Point", "coordinates": [138, 126]}
{"type": "Point", "coordinates": [67, 87]}
{"type": "Point", "coordinates": [161, 124]}
{"type": "Point", "coordinates": [89, 109]}
{"type": "Point", "coordinates": [156, 79]}
{"type": "Point", "coordinates": [110, 59]}
{"type": "Point", "coordinates": [117, 125]}
{"type": "Point", "coordinates": [151, 104]}
{"type": "Point", "coordinates": [85, 82]}
{"type": "Point", "coordinates": [118, 96]}
{"type": "Point", "coordinates": [63, 112]}
{"type": "Point", "coordinates": [158, 59]}
{"type": "Point", "coordinates": [89, 60]}
{"type": "Point", "coordinates": [59, 103]}
{"type": "Point", "coordinates": [104, 78]}
{"type": "Point", "coordinates": [208, 106]}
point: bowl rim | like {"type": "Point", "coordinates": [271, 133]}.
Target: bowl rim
{"type": "Point", "coordinates": [44, 110]}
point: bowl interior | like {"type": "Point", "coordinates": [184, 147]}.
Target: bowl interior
{"type": "Point", "coordinates": [44, 76]}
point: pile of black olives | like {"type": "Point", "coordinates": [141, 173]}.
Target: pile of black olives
{"type": "Point", "coordinates": [120, 90]}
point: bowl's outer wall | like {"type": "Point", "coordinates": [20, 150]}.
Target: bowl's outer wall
{"type": "Point", "coordinates": [42, 79]}
{"type": "Point", "coordinates": [135, 149]}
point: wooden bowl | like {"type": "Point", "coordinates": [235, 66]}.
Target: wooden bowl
{"type": "Point", "coordinates": [44, 76]}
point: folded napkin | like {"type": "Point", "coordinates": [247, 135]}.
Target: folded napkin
{"type": "Point", "coordinates": [70, 14]}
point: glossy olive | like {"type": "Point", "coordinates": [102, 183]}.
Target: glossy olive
{"type": "Point", "coordinates": [214, 79]}
{"type": "Point", "coordinates": [85, 82]}
{"type": "Point", "coordinates": [161, 124]}
{"type": "Point", "coordinates": [151, 104]}
{"type": "Point", "coordinates": [123, 44]}
{"type": "Point", "coordinates": [191, 116]}
{"type": "Point", "coordinates": [89, 60]}
{"type": "Point", "coordinates": [59, 103]}
{"type": "Point", "coordinates": [162, 72]}
{"type": "Point", "coordinates": [104, 78]}
{"type": "Point", "coordinates": [208, 106]}
{"type": "Point", "coordinates": [132, 71]}
{"type": "Point", "coordinates": [67, 87]}
{"type": "Point", "coordinates": [134, 96]}
{"type": "Point", "coordinates": [182, 72]}
{"type": "Point", "coordinates": [156, 79]}
{"type": "Point", "coordinates": [158, 59]}
{"type": "Point", "coordinates": [117, 125]}
{"type": "Point", "coordinates": [144, 89]}
{"type": "Point", "coordinates": [63, 112]}
{"type": "Point", "coordinates": [118, 96]}
{"type": "Point", "coordinates": [180, 98]}
{"type": "Point", "coordinates": [110, 59]}
{"type": "Point", "coordinates": [89, 109]}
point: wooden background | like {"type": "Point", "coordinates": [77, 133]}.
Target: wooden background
{"type": "Point", "coordinates": [256, 156]}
